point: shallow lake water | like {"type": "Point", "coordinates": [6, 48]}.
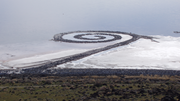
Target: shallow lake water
{"type": "Point", "coordinates": [29, 21]}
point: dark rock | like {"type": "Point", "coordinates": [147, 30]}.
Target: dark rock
{"type": "Point", "coordinates": [168, 98]}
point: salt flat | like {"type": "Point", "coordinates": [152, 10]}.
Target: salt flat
{"type": "Point", "coordinates": [31, 54]}
{"type": "Point", "coordinates": [142, 54]}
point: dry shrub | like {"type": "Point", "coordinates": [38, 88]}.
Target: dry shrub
{"type": "Point", "coordinates": [113, 76]}
{"type": "Point", "coordinates": [92, 81]}
{"type": "Point", "coordinates": [97, 77]}
{"type": "Point", "coordinates": [85, 77]}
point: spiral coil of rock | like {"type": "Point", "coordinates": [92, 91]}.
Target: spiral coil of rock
{"type": "Point", "coordinates": [83, 36]}
{"type": "Point", "coordinates": [80, 37]}
{"type": "Point", "coordinates": [98, 37]}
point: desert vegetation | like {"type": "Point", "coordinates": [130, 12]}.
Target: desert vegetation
{"type": "Point", "coordinates": [91, 88]}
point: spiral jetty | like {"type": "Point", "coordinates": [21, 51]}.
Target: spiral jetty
{"type": "Point", "coordinates": [99, 37]}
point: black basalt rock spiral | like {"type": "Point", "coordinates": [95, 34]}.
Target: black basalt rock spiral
{"type": "Point", "coordinates": [81, 37]}
{"type": "Point", "coordinates": [98, 37]}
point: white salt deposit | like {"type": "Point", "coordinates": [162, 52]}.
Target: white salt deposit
{"type": "Point", "coordinates": [39, 59]}
{"type": "Point", "coordinates": [37, 53]}
{"type": "Point", "coordinates": [142, 54]}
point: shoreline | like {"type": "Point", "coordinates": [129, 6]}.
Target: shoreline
{"type": "Point", "coordinates": [87, 72]}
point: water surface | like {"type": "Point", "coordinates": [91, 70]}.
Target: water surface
{"type": "Point", "coordinates": [34, 20]}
